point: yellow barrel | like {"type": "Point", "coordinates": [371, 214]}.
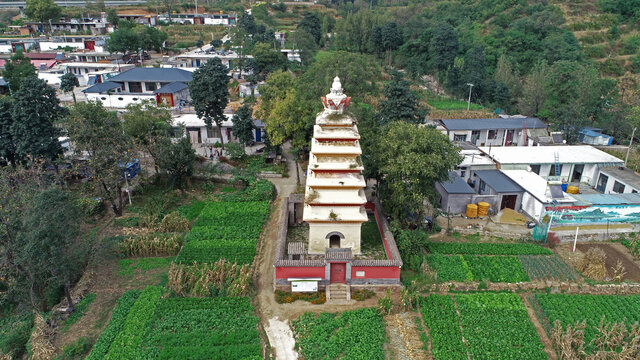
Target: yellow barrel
{"type": "Point", "coordinates": [483, 209]}
{"type": "Point", "coordinates": [573, 190]}
{"type": "Point", "coordinates": [472, 210]}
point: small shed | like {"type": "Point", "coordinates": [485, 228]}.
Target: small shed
{"type": "Point", "coordinates": [594, 136]}
{"type": "Point", "coordinates": [296, 250]}
{"type": "Point", "coordinates": [455, 194]}
{"type": "Point", "coordinates": [493, 182]}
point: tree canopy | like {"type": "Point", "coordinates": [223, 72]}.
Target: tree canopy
{"type": "Point", "coordinates": [42, 10]}
{"type": "Point", "coordinates": [400, 103]}
{"type": "Point", "coordinates": [243, 124]}
{"type": "Point", "coordinates": [209, 92]}
{"type": "Point", "coordinates": [16, 69]}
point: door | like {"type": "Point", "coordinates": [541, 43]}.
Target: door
{"type": "Point", "coordinates": [577, 173]}
{"type": "Point", "coordinates": [258, 135]}
{"type": "Point", "coordinates": [475, 135]}
{"type": "Point", "coordinates": [89, 45]}
{"type": "Point", "coordinates": [338, 273]}
{"type": "Point", "coordinates": [508, 137]}
{"type": "Point", "coordinates": [508, 201]}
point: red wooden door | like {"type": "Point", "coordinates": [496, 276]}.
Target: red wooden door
{"type": "Point", "coordinates": [338, 273]}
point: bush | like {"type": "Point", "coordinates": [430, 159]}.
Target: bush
{"type": "Point", "coordinates": [630, 45]}
{"type": "Point", "coordinates": [174, 222]}
{"type": "Point", "coordinates": [75, 349]}
{"type": "Point", "coordinates": [235, 151]}
{"type": "Point", "coordinates": [285, 297]}
{"type": "Point", "coordinates": [361, 295]}
{"type": "Point", "coordinates": [14, 334]}
{"type": "Point", "coordinates": [635, 64]}
{"type": "Point", "coordinates": [131, 221]}
{"type": "Point", "coordinates": [612, 67]}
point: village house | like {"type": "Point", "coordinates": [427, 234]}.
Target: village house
{"type": "Point", "coordinates": [594, 136]}
{"type": "Point", "coordinates": [472, 159]}
{"type": "Point", "coordinates": [567, 164]}
{"type": "Point", "coordinates": [455, 194]}
{"type": "Point", "coordinates": [200, 56]}
{"type": "Point", "coordinates": [206, 19]}
{"type": "Point", "coordinates": [95, 26]}
{"type": "Point", "coordinates": [12, 45]}
{"type": "Point", "coordinates": [77, 42]}
{"type": "Point", "coordinates": [617, 180]}
{"type": "Point", "coordinates": [512, 131]}
{"type": "Point", "coordinates": [163, 85]}
{"type": "Point", "coordinates": [501, 191]}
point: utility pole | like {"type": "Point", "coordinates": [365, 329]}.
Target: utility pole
{"type": "Point", "coordinates": [470, 85]}
{"type": "Point", "coordinates": [629, 148]}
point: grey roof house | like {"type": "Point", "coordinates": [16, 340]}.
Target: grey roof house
{"type": "Point", "coordinates": [455, 194]}
{"type": "Point", "coordinates": [495, 132]}
{"type": "Point", "coordinates": [501, 191]}
{"type": "Point", "coordinates": [163, 85]}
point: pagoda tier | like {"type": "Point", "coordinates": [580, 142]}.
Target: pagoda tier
{"type": "Point", "coordinates": [334, 196]}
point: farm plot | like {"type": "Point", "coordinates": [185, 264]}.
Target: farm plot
{"type": "Point", "coordinates": [357, 334]}
{"type": "Point", "coordinates": [225, 230]}
{"type": "Point", "coordinates": [494, 326]}
{"type": "Point", "coordinates": [569, 309]}
{"type": "Point", "coordinates": [150, 327]}
{"type": "Point", "coordinates": [540, 267]}
{"type": "Point", "coordinates": [477, 268]}
{"type": "Point", "coordinates": [467, 248]}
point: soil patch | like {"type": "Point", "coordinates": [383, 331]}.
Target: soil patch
{"type": "Point", "coordinates": [404, 337]}
{"type": "Point", "coordinates": [613, 255]}
{"type": "Point", "coordinates": [544, 338]}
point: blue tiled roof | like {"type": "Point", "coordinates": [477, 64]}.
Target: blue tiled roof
{"type": "Point", "coordinates": [498, 181]}
{"type": "Point", "coordinates": [102, 87]}
{"type": "Point", "coordinates": [456, 185]}
{"type": "Point", "coordinates": [493, 124]}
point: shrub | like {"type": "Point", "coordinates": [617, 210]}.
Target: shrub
{"type": "Point", "coordinates": [361, 295]}
{"type": "Point", "coordinates": [127, 222]}
{"type": "Point", "coordinates": [630, 45]}
{"type": "Point", "coordinates": [612, 67]}
{"type": "Point", "coordinates": [14, 334]}
{"type": "Point", "coordinates": [285, 297]}
{"type": "Point", "coordinates": [235, 151]}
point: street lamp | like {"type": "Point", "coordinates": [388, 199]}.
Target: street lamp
{"type": "Point", "coordinates": [470, 85]}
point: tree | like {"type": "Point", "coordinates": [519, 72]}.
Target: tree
{"type": "Point", "coordinates": [68, 82]}
{"type": "Point", "coordinates": [247, 23]}
{"type": "Point", "coordinates": [277, 84]}
{"type": "Point", "coordinates": [412, 160]}
{"type": "Point", "coordinates": [443, 47]}
{"type": "Point", "coordinates": [42, 10]}
{"type": "Point", "coordinates": [311, 23]}
{"type": "Point", "coordinates": [216, 43]}
{"type": "Point", "coordinates": [209, 92]}
{"type": "Point", "coordinates": [123, 40]}
{"type": "Point", "coordinates": [288, 120]}
{"type": "Point", "coordinates": [504, 74]}
{"type": "Point", "coordinates": [98, 132]}
{"type": "Point", "coordinates": [391, 38]}
{"type": "Point", "coordinates": [168, 6]}
{"type": "Point", "coordinates": [305, 43]}
{"type": "Point", "coordinates": [243, 124]}
{"type": "Point", "coordinates": [268, 59]}
{"type": "Point", "coordinates": [150, 37]}
{"type": "Point", "coordinates": [533, 92]}
{"type": "Point", "coordinates": [36, 110]}
{"type": "Point", "coordinates": [176, 159]}
{"type": "Point", "coordinates": [400, 103]}
{"type": "Point", "coordinates": [474, 70]}
{"type": "Point", "coordinates": [147, 125]}
{"type": "Point", "coordinates": [49, 252]}
{"type": "Point", "coordinates": [17, 68]}
{"type": "Point", "coordinates": [112, 17]}
{"type": "Point", "coordinates": [7, 147]}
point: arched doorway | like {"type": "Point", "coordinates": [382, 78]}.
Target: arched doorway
{"type": "Point", "coordinates": [334, 239]}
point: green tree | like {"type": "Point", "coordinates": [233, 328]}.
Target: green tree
{"type": "Point", "coordinates": [305, 43]}
{"type": "Point", "coordinates": [68, 82]}
{"type": "Point", "coordinates": [49, 252]}
{"type": "Point", "coordinates": [268, 59]}
{"type": "Point", "coordinates": [391, 38]}
{"type": "Point", "coordinates": [99, 133]}
{"type": "Point", "coordinates": [276, 86]}
{"type": "Point", "coordinates": [247, 23]}
{"type": "Point", "coordinates": [42, 10]}
{"type": "Point", "coordinates": [412, 160]}
{"type": "Point", "coordinates": [147, 125]}
{"type": "Point", "coordinates": [7, 147]}
{"type": "Point", "coordinates": [288, 120]}
{"type": "Point", "coordinates": [150, 38]}
{"type": "Point", "coordinates": [123, 40]}
{"type": "Point", "coordinates": [533, 91]}
{"type": "Point", "coordinates": [112, 17]}
{"type": "Point", "coordinates": [209, 92]}
{"type": "Point", "coordinates": [311, 23]}
{"type": "Point", "coordinates": [36, 110]}
{"type": "Point", "coordinates": [443, 47]}
{"type": "Point", "coordinates": [176, 159]}
{"type": "Point", "coordinates": [243, 124]}
{"type": "Point", "coordinates": [400, 103]}
{"type": "Point", "coordinates": [17, 68]}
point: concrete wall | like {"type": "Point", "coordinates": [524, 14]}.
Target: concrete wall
{"type": "Point", "coordinates": [53, 45]}
{"type": "Point", "coordinates": [119, 101]}
{"type": "Point", "coordinates": [318, 240]}
{"type": "Point", "coordinates": [483, 139]}
{"type": "Point", "coordinates": [532, 206]}
{"type": "Point", "coordinates": [612, 180]}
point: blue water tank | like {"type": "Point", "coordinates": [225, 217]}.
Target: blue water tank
{"type": "Point", "coordinates": [564, 187]}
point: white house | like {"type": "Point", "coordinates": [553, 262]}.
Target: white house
{"type": "Point", "coordinates": [580, 163]}
{"type": "Point", "coordinates": [538, 193]}
{"type": "Point", "coordinates": [198, 57]}
{"type": "Point", "coordinates": [163, 85]}
{"type": "Point", "coordinates": [92, 43]}
{"type": "Point", "coordinates": [618, 180]}
{"type": "Point", "coordinates": [87, 72]}
{"type": "Point", "coordinates": [201, 136]}
{"type": "Point", "coordinates": [11, 45]}
{"type": "Point", "coordinates": [494, 132]}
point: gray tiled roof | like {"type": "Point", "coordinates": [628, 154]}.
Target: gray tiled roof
{"type": "Point", "coordinates": [154, 74]}
{"type": "Point", "coordinates": [498, 181]}
{"type": "Point", "coordinates": [338, 254]}
{"type": "Point", "coordinates": [296, 248]}
{"type": "Point", "coordinates": [493, 124]}
{"type": "Point", "coordinates": [102, 87]}
{"type": "Point", "coordinates": [174, 87]}
{"type": "Point", "coordinates": [456, 185]}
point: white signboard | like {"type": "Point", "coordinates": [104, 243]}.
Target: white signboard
{"type": "Point", "coordinates": [304, 286]}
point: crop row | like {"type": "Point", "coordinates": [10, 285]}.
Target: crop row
{"type": "Point", "coordinates": [494, 326]}
{"type": "Point", "coordinates": [118, 318]}
{"type": "Point", "coordinates": [466, 248]}
{"type": "Point", "coordinates": [477, 268]}
{"type": "Point", "coordinates": [357, 335]}
{"type": "Point", "coordinates": [225, 230]}
{"type": "Point", "coordinates": [127, 343]}
{"type": "Point", "coordinates": [570, 309]}
{"type": "Point", "coordinates": [540, 267]}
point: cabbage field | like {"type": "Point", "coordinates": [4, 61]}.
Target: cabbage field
{"type": "Point", "coordinates": [494, 325]}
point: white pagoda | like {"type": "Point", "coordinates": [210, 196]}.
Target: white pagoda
{"type": "Point", "coordinates": [334, 195]}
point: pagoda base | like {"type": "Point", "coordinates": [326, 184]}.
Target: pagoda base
{"type": "Point", "coordinates": [327, 235]}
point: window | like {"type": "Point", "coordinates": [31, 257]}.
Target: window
{"type": "Point", "coordinates": [602, 183]}
{"type": "Point", "coordinates": [462, 173]}
{"type": "Point", "coordinates": [493, 134]}
{"type": "Point", "coordinates": [214, 132]}
{"type": "Point", "coordinates": [103, 98]}
{"type": "Point", "coordinates": [460, 137]}
{"type": "Point", "coordinates": [150, 86]}
{"type": "Point", "coordinates": [618, 187]}
{"type": "Point", "coordinates": [135, 87]}
{"type": "Point", "coordinates": [482, 186]}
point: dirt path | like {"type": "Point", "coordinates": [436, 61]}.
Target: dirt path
{"type": "Point", "coordinates": [539, 328]}
{"type": "Point", "coordinates": [404, 337]}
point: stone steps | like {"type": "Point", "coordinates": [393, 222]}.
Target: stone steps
{"type": "Point", "coordinates": [338, 292]}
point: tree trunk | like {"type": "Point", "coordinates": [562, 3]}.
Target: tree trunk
{"type": "Point", "coordinates": [67, 292]}
{"type": "Point", "coordinates": [73, 93]}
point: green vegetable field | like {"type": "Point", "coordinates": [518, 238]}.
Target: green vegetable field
{"type": "Point", "coordinates": [495, 326]}
{"type": "Point", "coordinates": [147, 326]}
{"type": "Point", "coordinates": [355, 335]}
{"type": "Point", "coordinates": [225, 230]}
{"type": "Point", "coordinates": [467, 248]}
{"type": "Point", "coordinates": [570, 309]}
